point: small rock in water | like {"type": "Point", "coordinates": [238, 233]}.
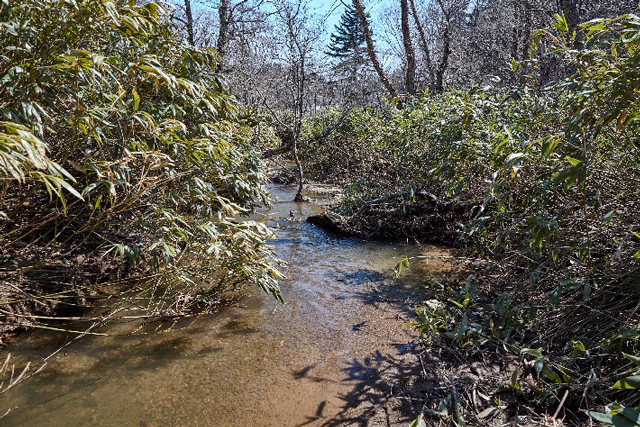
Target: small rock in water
{"type": "Point", "coordinates": [358, 327]}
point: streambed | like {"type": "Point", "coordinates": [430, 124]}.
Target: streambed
{"type": "Point", "coordinates": [318, 360]}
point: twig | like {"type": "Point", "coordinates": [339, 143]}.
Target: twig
{"type": "Point", "coordinates": [564, 398]}
{"type": "Point", "coordinates": [454, 394]}
{"type": "Point", "coordinates": [274, 152]}
{"type": "Point", "coordinates": [6, 413]}
{"type": "Point", "coordinates": [424, 371]}
{"type": "Point", "coordinates": [44, 362]}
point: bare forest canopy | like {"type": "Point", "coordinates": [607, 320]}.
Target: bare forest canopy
{"type": "Point", "coordinates": [442, 44]}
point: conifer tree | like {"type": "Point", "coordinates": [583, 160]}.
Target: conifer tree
{"type": "Point", "coordinates": [348, 43]}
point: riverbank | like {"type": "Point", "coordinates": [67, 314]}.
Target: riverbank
{"type": "Point", "coordinates": [538, 188]}
{"type": "Point", "coordinates": [338, 352]}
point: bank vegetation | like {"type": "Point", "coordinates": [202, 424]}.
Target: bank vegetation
{"type": "Point", "coordinates": [126, 167]}
{"type": "Point", "coordinates": [541, 185]}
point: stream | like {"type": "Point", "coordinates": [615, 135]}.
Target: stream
{"type": "Point", "coordinates": [316, 360]}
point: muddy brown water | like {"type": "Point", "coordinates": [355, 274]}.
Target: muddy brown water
{"type": "Point", "coordinates": [307, 362]}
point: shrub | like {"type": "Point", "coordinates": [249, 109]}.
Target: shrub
{"type": "Point", "coordinates": [553, 180]}
{"type": "Point", "coordinates": [124, 162]}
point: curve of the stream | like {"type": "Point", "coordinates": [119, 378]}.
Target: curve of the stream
{"type": "Point", "coordinates": [316, 360]}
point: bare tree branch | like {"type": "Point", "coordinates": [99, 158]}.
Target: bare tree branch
{"type": "Point", "coordinates": [359, 8]}
{"type": "Point", "coordinates": [410, 54]}
{"type": "Point", "coordinates": [325, 133]}
{"type": "Point", "coordinates": [423, 42]}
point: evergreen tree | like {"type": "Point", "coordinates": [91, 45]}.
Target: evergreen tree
{"type": "Point", "coordinates": [348, 42]}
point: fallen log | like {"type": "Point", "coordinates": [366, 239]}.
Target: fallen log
{"type": "Point", "coordinates": [333, 222]}
{"type": "Point", "coordinates": [426, 219]}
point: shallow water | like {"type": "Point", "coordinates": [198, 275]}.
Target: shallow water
{"type": "Point", "coordinates": [262, 362]}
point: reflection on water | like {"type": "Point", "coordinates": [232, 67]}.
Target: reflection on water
{"type": "Point", "coordinates": [261, 362]}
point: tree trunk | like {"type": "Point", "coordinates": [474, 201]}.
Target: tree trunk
{"type": "Point", "coordinates": [187, 10]}
{"type": "Point", "coordinates": [527, 29]}
{"type": "Point", "coordinates": [223, 33]}
{"type": "Point", "coordinates": [515, 30]}
{"type": "Point", "coordinates": [446, 50]}
{"type": "Point", "coordinates": [410, 75]}
{"type": "Point", "coordinates": [357, 4]}
{"type": "Point", "coordinates": [444, 62]}
{"type": "Point", "coordinates": [299, 197]}
{"type": "Point", "coordinates": [423, 43]}
{"type": "Point", "coordinates": [571, 11]}
{"type": "Point", "coordinates": [299, 114]}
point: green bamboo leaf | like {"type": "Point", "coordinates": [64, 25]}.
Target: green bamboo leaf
{"type": "Point", "coordinates": [561, 24]}
{"type": "Point", "coordinates": [607, 216]}
{"type": "Point", "coordinates": [61, 183]}
{"type": "Point", "coordinates": [603, 418]}
{"type": "Point", "coordinates": [418, 422]}
{"type": "Point", "coordinates": [622, 421]}
{"type": "Point", "coordinates": [136, 99]}
{"type": "Point", "coordinates": [91, 187]}
{"type": "Point", "coordinates": [551, 374]}
{"type": "Point", "coordinates": [634, 359]}
{"type": "Point", "coordinates": [631, 414]}
{"type": "Point", "coordinates": [515, 156]}
{"type": "Point", "coordinates": [575, 162]}
{"type": "Point", "coordinates": [131, 23]}
{"type": "Point", "coordinates": [550, 145]}
{"type": "Point", "coordinates": [628, 383]}
{"type": "Point", "coordinates": [488, 412]}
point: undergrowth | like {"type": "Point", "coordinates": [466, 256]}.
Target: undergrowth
{"type": "Point", "coordinates": [125, 168]}
{"type": "Point", "coordinates": [551, 179]}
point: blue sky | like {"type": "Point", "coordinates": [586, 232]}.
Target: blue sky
{"type": "Point", "coordinates": [329, 9]}
{"type": "Point", "coordinates": [335, 8]}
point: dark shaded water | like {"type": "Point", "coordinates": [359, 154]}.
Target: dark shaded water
{"type": "Point", "coordinates": [261, 363]}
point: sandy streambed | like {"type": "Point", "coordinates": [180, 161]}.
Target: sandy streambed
{"type": "Point", "coordinates": [331, 355]}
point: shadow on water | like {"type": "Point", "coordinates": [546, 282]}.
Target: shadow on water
{"type": "Point", "coordinates": [102, 357]}
{"type": "Point", "coordinates": [267, 364]}
{"type": "Point", "coordinates": [306, 374]}
{"type": "Point", "coordinates": [373, 288]}
{"type": "Point", "coordinates": [374, 379]}
{"type": "Point", "coordinates": [392, 389]}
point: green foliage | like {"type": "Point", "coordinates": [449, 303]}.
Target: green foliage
{"type": "Point", "coordinates": [348, 43]}
{"type": "Point", "coordinates": [102, 101]}
{"type": "Point", "coordinates": [404, 262]}
{"type": "Point", "coordinates": [618, 416]}
{"type": "Point", "coordinates": [553, 180]}
{"type": "Point", "coordinates": [418, 422]}
{"type": "Point", "coordinates": [348, 151]}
